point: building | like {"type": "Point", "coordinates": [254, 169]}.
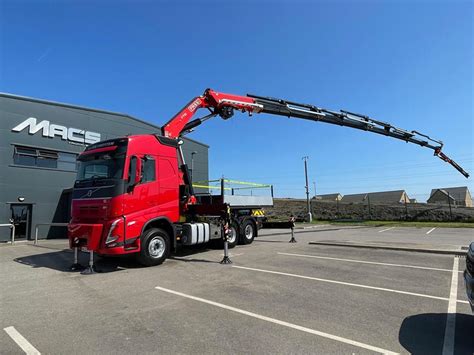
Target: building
{"type": "Point", "coordinates": [383, 197]}
{"type": "Point", "coordinates": [354, 198]}
{"type": "Point", "coordinates": [458, 196]}
{"type": "Point", "coordinates": [329, 197]}
{"type": "Point", "coordinates": [39, 143]}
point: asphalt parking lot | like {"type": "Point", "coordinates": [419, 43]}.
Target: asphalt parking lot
{"type": "Point", "coordinates": [276, 297]}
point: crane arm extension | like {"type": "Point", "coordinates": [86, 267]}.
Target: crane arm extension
{"type": "Point", "coordinates": [353, 120]}
{"type": "Point", "coordinates": [224, 105]}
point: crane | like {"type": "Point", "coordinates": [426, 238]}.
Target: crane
{"type": "Point", "coordinates": [224, 105]}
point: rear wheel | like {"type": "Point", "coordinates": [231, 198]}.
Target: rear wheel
{"type": "Point", "coordinates": [249, 231]}
{"type": "Point", "coordinates": [234, 235]}
{"type": "Point", "coordinates": [155, 247]}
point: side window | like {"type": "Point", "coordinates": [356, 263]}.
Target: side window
{"type": "Point", "coordinates": [148, 169]}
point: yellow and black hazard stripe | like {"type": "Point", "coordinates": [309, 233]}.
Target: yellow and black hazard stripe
{"type": "Point", "coordinates": [258, 213]}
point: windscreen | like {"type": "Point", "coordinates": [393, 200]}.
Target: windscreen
{"type": "Point", "coordinates": [103, 165]}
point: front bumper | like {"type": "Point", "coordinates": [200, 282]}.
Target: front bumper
{"type": "Point", "coordinates": [469, 281]}
{"type": "Point", "coordinates": [85, 235]}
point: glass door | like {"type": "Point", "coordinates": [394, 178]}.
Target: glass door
{"type": "Point", "coordinates": [21, 216]}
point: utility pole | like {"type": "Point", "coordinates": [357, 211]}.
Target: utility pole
{"type": "Point", "coordinates": [308, 206]}
{"type": "Point", "coordinates": [314, 186]}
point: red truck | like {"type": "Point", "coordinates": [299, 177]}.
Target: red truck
{"type": "Point", "coordinates": [134, 195]}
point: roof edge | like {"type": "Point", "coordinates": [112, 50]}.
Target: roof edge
{"type": "Point", "coordinates": [61, 104]}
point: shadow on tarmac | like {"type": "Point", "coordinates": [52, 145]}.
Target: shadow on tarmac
{"type": "Point", "coordinates": [61, 260]}
{"type": "Point", "coordinates": [424, 333]}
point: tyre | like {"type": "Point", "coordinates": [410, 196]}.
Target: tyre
{"type": "Point", "coordinates": [249, 231]}
{"type": "Point", "coordinates": [234, 235]}
{"type": "Point", "coordinates": [155, 247]}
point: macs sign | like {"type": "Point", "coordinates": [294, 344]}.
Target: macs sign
{"type": "Point", "coordinates": [74, 135]}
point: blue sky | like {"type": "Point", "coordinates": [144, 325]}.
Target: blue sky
{"type": "Point", "coordinates": [406, 62]}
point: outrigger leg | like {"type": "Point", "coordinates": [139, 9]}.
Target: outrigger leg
{"type": "Point", "coordinates": [292, 240]}
{"type": "Point", "coordinates": [292, 221]}
{"type": "Point", "coordinates": [76, 266]}
{"type": "Point", "coordinates": [227, 231]}
{"type": "Point", "coordinates": [91, 268]}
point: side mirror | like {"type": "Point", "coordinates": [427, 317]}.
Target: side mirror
{"type": "Point", "coordinates": [135, 171]}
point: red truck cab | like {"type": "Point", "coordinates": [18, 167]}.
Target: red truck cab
{"type": "Point", "coordinates": [124, 186]}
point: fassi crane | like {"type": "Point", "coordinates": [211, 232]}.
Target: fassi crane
{"type": "Point", "coordinates": [132, 197]}
{"type": "Point", "coordinates": [223, 105]}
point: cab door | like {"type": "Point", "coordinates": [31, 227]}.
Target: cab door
{"type": "Point", "coordinates": [141, 200]}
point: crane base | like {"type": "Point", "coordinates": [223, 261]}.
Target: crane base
{"type": "Point", "coordinates": [226, 260]}
{"type": "Point", "coordinates": [90, 270]}
{"type": "Point", "coordinates": [76, 267]}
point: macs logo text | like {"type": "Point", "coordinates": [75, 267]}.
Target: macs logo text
{"type": "Point", "coordinates": [53, 130]}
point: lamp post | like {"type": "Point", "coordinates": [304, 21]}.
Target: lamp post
{"type": "Point", "coordinates": [192, 164]}
{"type": "Point", "coordinates": [308, 206]}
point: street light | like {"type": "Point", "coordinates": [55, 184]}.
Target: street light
{"type": "Point", "coordinates": [192, 164]}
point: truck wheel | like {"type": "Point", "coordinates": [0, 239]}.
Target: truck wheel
{"type": "Point", "coordinates": [234, 235]}
{"type": "Point", "coordinates": [155, 247]}
{"type": "Point", "coordinates": [249, 231]}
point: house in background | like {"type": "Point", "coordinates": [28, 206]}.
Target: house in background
{"type": "Point", "coordinates": [458, 196]}
{"type": "Point", "coordinates": [329, 197]}
{"type": "Point", "coordinates": [382, 197]}
{"type": "Point", "coordinates": [354, 198]}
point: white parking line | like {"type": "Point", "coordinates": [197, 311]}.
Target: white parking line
{"type": "Point", "coordinates": [365, 262]}
{"type": "Point", "coordinates": [448, 344]}
{"type": "Point", "coordinates": [21, 341]}
{"type": "Point", "coordinates": [384, 230]}
{"type": "Point", "coordinates": [345, 283]}
{"type": "Point", "coordinates": [432, 229]}
{"type": "Point", "coordinates": [279, 322]}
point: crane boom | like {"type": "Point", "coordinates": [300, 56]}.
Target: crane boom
{"type": "Point", "coordinates": [224, 105]}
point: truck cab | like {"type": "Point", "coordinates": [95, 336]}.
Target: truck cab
{"type": "Point", "coordinates": [124, 185]}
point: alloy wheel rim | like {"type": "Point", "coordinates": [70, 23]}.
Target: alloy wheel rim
{"type": "Point", "coordinates": [156, 248]}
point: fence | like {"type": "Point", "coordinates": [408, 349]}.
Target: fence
{"type": "Point", "coordinates": [12, 227]}
{"type": "Point", "coordinates": [233, 187]}
{"type": "Point", "coordinates": [47, 224]}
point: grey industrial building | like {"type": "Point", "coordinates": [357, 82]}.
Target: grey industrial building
{"type": "Point", "coordinates": [39, 142]}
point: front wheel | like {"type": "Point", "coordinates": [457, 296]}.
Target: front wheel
{"type": "Point", "coordinates": [155, 247]}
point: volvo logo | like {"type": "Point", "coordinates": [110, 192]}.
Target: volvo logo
{"type": "Point", "coordinates": [89, 193]}
{"type": "Point", "coordinates": [53, 130]}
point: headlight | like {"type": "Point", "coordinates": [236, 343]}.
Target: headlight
{"type": "Point", "coordinates": [112, 238]}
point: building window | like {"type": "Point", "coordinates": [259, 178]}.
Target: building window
{"type": "Point", "coordinates": [67, 161]}
{"type": "Point", "coordinates": [42, 158]}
